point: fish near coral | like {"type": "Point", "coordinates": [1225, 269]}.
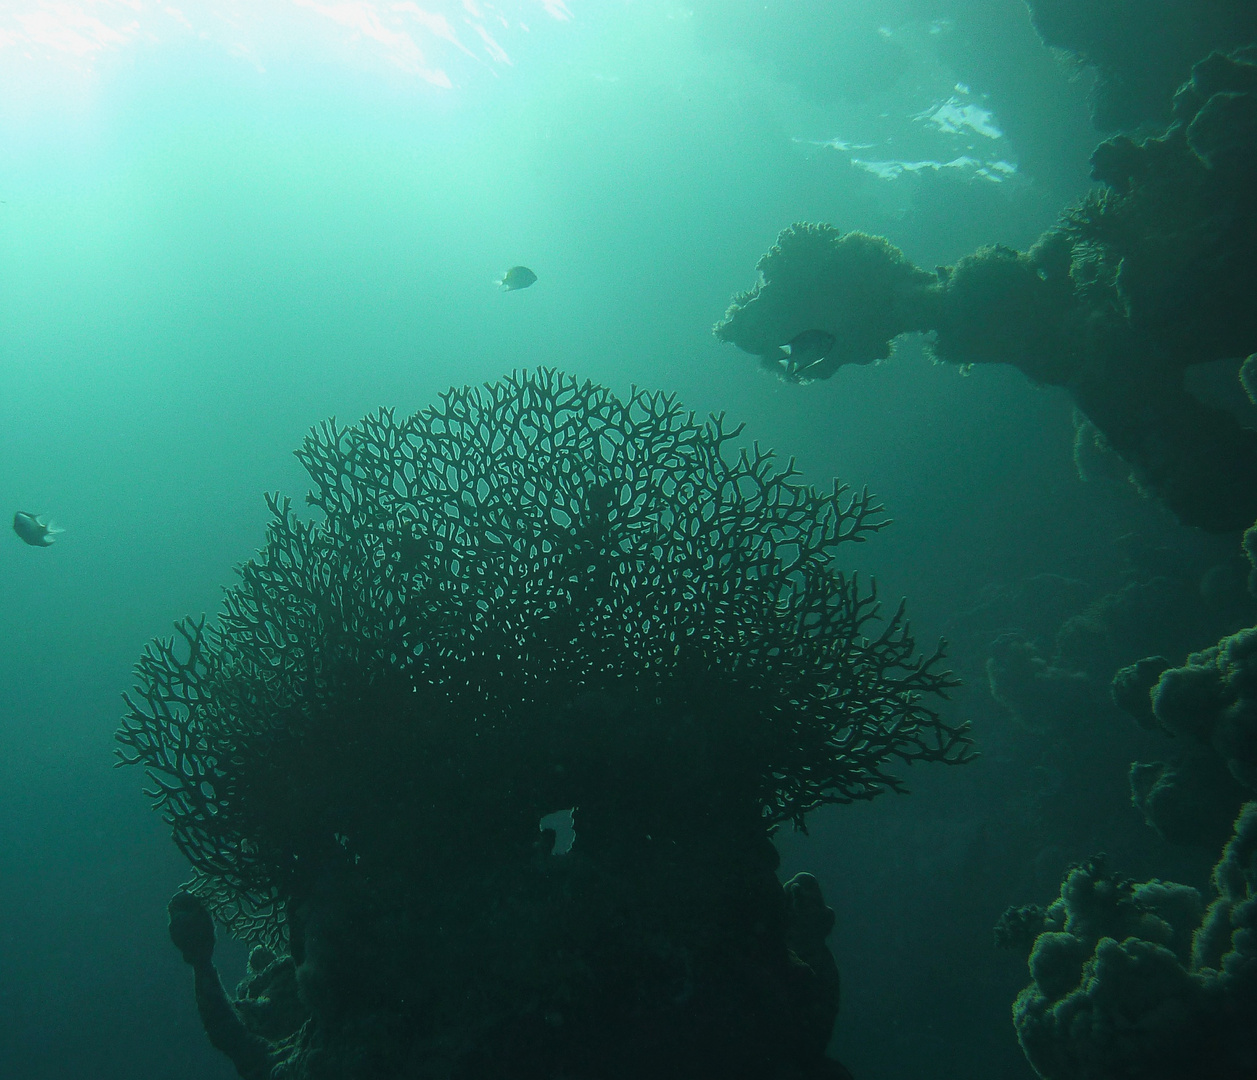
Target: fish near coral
{"type": "Point", "coordinates": [804, 351]}
{"type": "Point", "coordinates": [517, 277]}
{"type": "Point", "coordinates": [34, 529]}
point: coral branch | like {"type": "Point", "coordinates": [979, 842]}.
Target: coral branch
{"type": "Point", "coordinates": [528, 597]}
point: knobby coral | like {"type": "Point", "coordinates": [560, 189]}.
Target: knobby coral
{"type": "Point", "coordinates": [1210, 701]}
{"type": "Point", "coordinates": [1141, 979]}
{"type": "Point", "coordinates": [534, 596]}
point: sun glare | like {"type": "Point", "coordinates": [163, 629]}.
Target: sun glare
{"type": "Point", "coordinates": [441, 42]}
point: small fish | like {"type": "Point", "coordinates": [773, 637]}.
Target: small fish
{"type": "Point", "coordinates": [34, 529]}
{"type": "Point", "coordinates": [517, 277]}
{"type": "Point", "coordinates": [806, 350]}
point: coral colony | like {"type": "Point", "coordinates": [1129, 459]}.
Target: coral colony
{"type": "Point", "coordinates": [534, 598]}
{"type": "Point", "coordinates": [528, 598]}
{"type": "Point", "coordinates": [1146, 277]}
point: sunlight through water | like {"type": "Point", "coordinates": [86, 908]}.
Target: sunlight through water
{"type": "Point", "coordinates": [443, 43]}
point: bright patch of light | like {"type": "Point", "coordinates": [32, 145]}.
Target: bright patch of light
{"type": "Point", "coordinates": [435, 41]}
{"type": "Point", "coordinates": [74, 30]}
{"type": "Point", "coordinates": [495, 51]}
{"type": "Point", "coordinates": [942, 138]}
{"type": "Point", "coordinates": [994, 171]}
{"type": "Point", "coordinates": [954, 117]}
{"type": "Point", "coordinates": [363, 20]}
{"type": "Point", "coordinates": [557, 9]}
{"type": "Point", "coordinates": [844, 145]}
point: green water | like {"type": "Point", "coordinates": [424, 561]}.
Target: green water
{"type": "Point", "coordinates": [202, 254]}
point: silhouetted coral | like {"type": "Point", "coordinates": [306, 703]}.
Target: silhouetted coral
{"type": "Point", "coordinates": [1212, 700]}
{"type": "Point", "coordinates": [1248, 377]}
{"type": "Point", "coordinates": [1130, 981]}
{"type": "Point", "coordinates": [798, 279]}
{"type": "Point", "coordinates": [1019, 927]}
{"type": "Point", "coordinates": [1190, 801]}
{"type": "Point", "coordinates": [530, 597]}
{"type": "Point", "coordinates": [1141, 280]}
{"type": "Point", "coordinates": [1140, 56]}
{"type": "Point", "coordinates": [192, 932]}
{"type": "Point", "coordinates": [1132, 688]}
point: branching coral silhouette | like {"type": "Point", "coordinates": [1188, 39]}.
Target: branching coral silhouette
{"type": "Point", "coordinates": [528, 597]}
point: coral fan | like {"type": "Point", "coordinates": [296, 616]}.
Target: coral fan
{"type": "Point", "coordinates": [530, 597]}
{"type": "Point", "coordinates": [1139, 282]}
{"type": "Point", "coordinates": [1128, 980]}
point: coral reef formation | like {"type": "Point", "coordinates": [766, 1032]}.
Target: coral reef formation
{"type": "Point", "coordinates": [1050, 646]}
{"type": "Point", "coordinates": [1250, 550]}
{"type": "Point", "coordinates": [1143, 280]}
{"type": "Point", "coordinates": [1139, 979]}
{"type": "Point", "coordinates": [1130, 980]}
{"type": "Point", "coordinates": [1191, 800]}
{"type": "Point", "coordinates": [1067, 668]}
{"type": "Point", "coordinates": [1138, 60]}
{"type": "Point", "coordinates": [1248, 377]}
{"type": "Point", "coordinates": [1211, 700]}
{"type": "Point", "coordinates": [192, 931]}
{"type": "Point", "coordinates": [860, 289]}
{"type": "Point", "coordinates": [529, 597]}
{"type": "Point", "coordinates": [1210, 704]}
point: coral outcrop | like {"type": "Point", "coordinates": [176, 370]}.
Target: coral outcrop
{"type": "Point", "coordinates": [1209, 704]}
{"type": "Point", "coordinates": [1138, 60]}
{"type": "Point", "coordinates": [1144, 279]}
{"type": "Point", "coordinates": [530, 597]}
{"type": "Point", "coordinates": [1212, 700]}
{"type": "Point", "coordinates": [1140, 979]}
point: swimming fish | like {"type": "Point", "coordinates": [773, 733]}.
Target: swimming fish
{"type": "Point", "coordinates": [806, 350]}
{"type": "Point", "coordinates": [517, 277]}
{"type": "Point", "coordinates": [34, 529]}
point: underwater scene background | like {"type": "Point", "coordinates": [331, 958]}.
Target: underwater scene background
{"type": "Point", "coordinates": [222, 224]}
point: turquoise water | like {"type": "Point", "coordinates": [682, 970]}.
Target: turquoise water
{"type": "Point", "coordinates": [210, 243]}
